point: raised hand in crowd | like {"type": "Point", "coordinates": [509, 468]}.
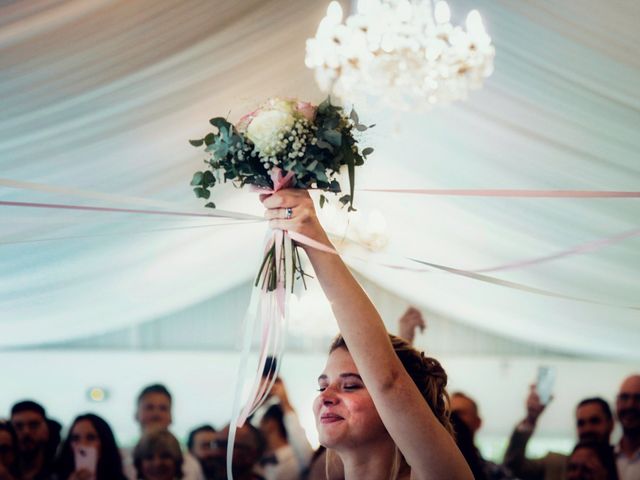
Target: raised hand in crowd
{"type": "Point", "coordinates": [409, 322]}
{"type": "Point", "coordinates": [535, 407]}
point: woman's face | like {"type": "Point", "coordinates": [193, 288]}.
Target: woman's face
{"type": "Point", "coordinates": [7, 449]}
{"type": "Point", "coordinates": [84, 434]}
{"type": "Point", "coordinates": [159, 466]}
{"type": "Point", "coordinates": [584, 464]}
{"type": "Point", "coordinates": [344, 411]}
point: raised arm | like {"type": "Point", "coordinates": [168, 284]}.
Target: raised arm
{"type": "Point", "coordinates": [425, 444]}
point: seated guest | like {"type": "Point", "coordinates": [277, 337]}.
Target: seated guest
{"type": "Point", "coordinates": [36, 441]}
{"type": "Point", "coordinates": [628, 410]}
{"type": "Point", "coordinates": [594, 422]}
{"type": "Point", "coordinates": [294, 434]}
{"type": "Point", "coordinates": [153, 413]}
{"type": "Point", "coordinates": [8, 451]}
{"type": "Point", "coordinates": [248, 449]}
{"type": "Point", "coordinates": [592, 460]}
{"type": "Point", "coordinates": [201, 445]}
{"type": "Point", "coordinates": [464, 440]}
{"type": "Point", "coordinates": [279, 461]}
{"type": "Point", "coordinates": [466, 409]}
{"type": "Point", "coordinates": [90, 433]}
{"type": "Point", "coordinates": [158, 456]}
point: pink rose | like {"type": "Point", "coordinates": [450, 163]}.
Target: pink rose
{"type": "Point", "coordinates": [307, 110]}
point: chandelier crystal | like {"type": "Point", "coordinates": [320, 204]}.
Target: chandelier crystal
{"type": "Point", "coordinates": [404, 54]}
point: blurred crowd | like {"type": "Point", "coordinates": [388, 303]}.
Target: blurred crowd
{"type": "Point", "coordinates": [272, 444]}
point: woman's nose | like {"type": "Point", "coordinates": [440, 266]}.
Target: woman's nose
{"type": "Point", "coordinates": [328, 396]}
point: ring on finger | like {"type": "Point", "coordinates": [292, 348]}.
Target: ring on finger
{"type": "Point", "coordinates": [288, 213]}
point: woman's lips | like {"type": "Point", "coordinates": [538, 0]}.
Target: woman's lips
{"type": "Point", "coordinates": [330, 418]}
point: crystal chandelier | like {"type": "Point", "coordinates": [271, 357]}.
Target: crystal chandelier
{"type": "Point", "coordinates": [404, 54]}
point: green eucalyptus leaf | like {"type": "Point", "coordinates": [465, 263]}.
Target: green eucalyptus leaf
{"type": "Point", "coordinates": [202, 192]}
{"type": "Point", "coordinates": [367, 151]}
{"type": "Point", "coordinates": [219, 122]}
{"type": "Point", "coordinates": [197, 178]}
{"type": "Point", "coordinates": [196, 143]}
{"type": "Point", "coordinates": [333, 137]}
{"type": "Point", "coordinates": [331, 122]}
{"type": "Point", "coordinates": [361, 128]}
{"type": "Point", "coordinates": [326, 103]}
{"type": "Point", "coordinates": [345, 199]}
{"type": "Point", "coordinates": [209, 139]}
{"type": "Point", "coordinates": [354, 117]}
{"type": "Point", "coordinates": [210, 205]}
{"type": "Point", "coordinates": [323, 200]}
{"type": "Point", "coordinates": [325, 145]}
{"type": "Point", "coordinates": [208, 179]}
{"type": "Point", "coordinates": [321, 176]}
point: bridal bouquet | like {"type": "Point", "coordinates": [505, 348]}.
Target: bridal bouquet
{"type": "Point", "coordinates": [283, 144]}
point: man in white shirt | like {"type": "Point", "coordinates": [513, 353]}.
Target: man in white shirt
{"type": "Point", "coordinates": [628, 410]}
{"type": "Point", "coordinates": [153, 412]}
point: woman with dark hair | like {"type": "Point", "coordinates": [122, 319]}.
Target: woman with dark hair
{"type": "Point", "coordinates": [8, 451]}
{"type": "Point", "coordinates": [382, 407]}
{"type": "Point", "coordinates": [592, 460]}
{"type": "Point", "coordinates": [91, 443]}
{"type": "Point", "coordinates": [157, 456]}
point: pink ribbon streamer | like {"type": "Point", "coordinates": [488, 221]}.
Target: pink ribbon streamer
{"type": "Point", "coordinates": [580, 249]}
{"type": "Point", "coordinates": [513, 193]}
{"type": "Point", "coordinates": [59, 206]}
{"type": "Point", "coordinates": [519, 286]}
{"type": "Point", "coordinates": [272, 308]}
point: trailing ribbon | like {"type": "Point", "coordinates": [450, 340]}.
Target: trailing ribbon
{"type": "Point", "coordinates": [513, 193]}
{"type": "Point", "coordinates": [518, 286]}
{"type": "Point", "coordinates": [87, 194]}
{"type": "Point", "coordinates": [57, 206]}
{"type": "Point", "coordinates": [577, 250]}
{"type": "Point", "coordinates": [136, 232]}
{"type": "Point", "coordinates": [271, 305]}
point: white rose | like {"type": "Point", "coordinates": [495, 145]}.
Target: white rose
{"type": "Point", "coordinates": [265, 127]}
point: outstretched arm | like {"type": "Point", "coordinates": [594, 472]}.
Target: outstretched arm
{"type": "Point", "coordinates": [425, 444]}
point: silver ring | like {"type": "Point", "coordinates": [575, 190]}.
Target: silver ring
{"type": "Point", "coordinates": [288, 213]}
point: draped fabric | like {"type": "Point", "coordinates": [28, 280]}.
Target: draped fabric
{"type": "Point", "coordinates": [102, 96]}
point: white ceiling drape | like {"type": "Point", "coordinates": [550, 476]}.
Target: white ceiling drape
{"type": "Point", "coordinates": [102, 96]}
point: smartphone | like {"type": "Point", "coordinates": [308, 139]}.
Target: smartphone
{"type": "Point", "coordinates": [86, 458]}
{"type": "Point", "coordinates": [545, 382]}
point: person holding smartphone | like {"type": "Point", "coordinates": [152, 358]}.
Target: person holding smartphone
{"type": "Point", "coordinates": [594, 422]}
{"type": "Point", "coordinates": [89, 452]}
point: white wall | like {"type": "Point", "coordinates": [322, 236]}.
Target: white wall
{"type": "Point", "coordinates": [203, 383]}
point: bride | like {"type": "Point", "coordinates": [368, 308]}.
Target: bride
{"type": "Point", "coordinates": [382, 406]}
